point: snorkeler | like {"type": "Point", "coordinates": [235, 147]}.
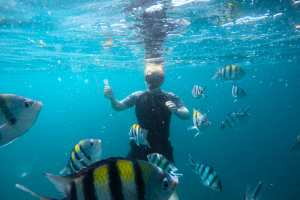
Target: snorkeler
{"type": "Point", "coordinates": [154, 108]}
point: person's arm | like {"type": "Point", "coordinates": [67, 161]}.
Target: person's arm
{"type": "Point", "coordinates": [115, 104]}
{"type": "Point", "coordinates": [181, 112]}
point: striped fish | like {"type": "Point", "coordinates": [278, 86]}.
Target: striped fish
{"type": "Point", "coordinates": [114, 179]}
{"type": "Point", "coordinates": [200, 122]}
{"type": "Point", "coordinates": [255, 194]}
{"type": "Point", "coordinates": [197, 92]}
{"type": "Point", "coordinates": [139, 135]}
{"type": "Point", "coordinates": [163, 163]}
{"type": "Point", "coordinates": [296, 146]}
{"type": "Point", "coordinates": [229, 72]}
{"type": "Point", "coordinates": [237, 92]}
{"type": "Point", "coordinates": [234, 120]}
{"type": "Point", "coordinates": [206, 174]}
{"type": "Point", "coordinates": [17, 115]}
{"type": "Point", "coordinates": [83, 154]}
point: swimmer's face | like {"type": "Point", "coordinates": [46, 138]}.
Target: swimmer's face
{"type": "Point", "coordinates": [154, 81]}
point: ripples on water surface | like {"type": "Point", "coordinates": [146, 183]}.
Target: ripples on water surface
{"type": "Point", "coordinates": [74, 40]}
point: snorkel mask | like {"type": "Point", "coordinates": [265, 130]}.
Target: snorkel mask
{"type": "Point", "coordinates": [154, 78]}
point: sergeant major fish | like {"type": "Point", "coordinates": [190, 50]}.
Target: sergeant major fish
{"type": "Point", "coordinates": [197, 92]}
{"type": "Point", "coordinates": [163, 163]}
{"type": "Point", "coordinates": [253, 195]}
{"type": "Point", "coordinates": [200, 122]}
{"type": "Point", "coordinates": [234, 120]}
{"type": "Point", "coordinates": [17, 115]}
{"type": "Point", "coordinates": [114, 179]}
{"type": "Point", "coordinates": [139, 135]}
{"type": "Point", "coordinates": [206, 174]}
{"type": "Point", "coordinates": [229, 72]}
{"type": "Point", "coordinates": [83, 154]}
{"type": "Point", "coordinates": [238, 93]}
{"type": "Point", "coordinates": [296, 146]}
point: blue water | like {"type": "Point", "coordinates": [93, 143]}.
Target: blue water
{"type": "Point", "coordinates": [61, 75]}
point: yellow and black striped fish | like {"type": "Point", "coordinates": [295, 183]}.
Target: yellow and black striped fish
{"type": "Point", "coordinates": [229, 72]}
{"type": "Point", "coordinates": [114, 179]}
{"type": "Point", "coordinates": [296, 146]}
{"type": "Point", "coordinates": [83, 154]}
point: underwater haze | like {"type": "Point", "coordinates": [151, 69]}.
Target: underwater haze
{"type": "Point", "coordinates": [54, 51]}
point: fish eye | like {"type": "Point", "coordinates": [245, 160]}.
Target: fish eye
{"type": "Point", "coordinates": [26, 104]}
{"type": "Point", "coordinates": [91, 143]}
{"type": "Point", "coordinates": [165, 184]}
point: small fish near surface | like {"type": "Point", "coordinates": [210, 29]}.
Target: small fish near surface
{"type": "Point", "coordinates": [200, 122]}
{"type": "Point", "coordinates": [229, 72]}
{"type": "Point", "coordinates": [296, 146]}
{"type": "Point", "coordinates": [206, 174]}
{"type": "Point", "coordinates": [114, 179]}
{"type": "Point", "coordinates": [17, 115]}
{"type": "Point", "coordinates": [163, 163]}
{"type": "Point", "coordinates": [85, 153]}
{"type": "Point", "coordinates": [197, 92]}
{"type": "Point", "coordinates": [139, 135]}
{"type": "Point", "coordinates": [234, 120]}
{"type": "Point", "coordinates": [238, 93]}
{"type": "Point", "coordinates": [249, 195]}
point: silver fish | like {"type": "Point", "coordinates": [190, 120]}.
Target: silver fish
{"type": "Point", "coordinates": [114, 178]}
{"type": "Point", "coordinates": [234, 120]}
{"type": "Point", "coordinates": [85, 153]}
{"type": "Point", "coordinates": [200, 122]}
{"type": "Point", "coordinates": [163, 163]}
{"type": "Point", "coordinates": [237, 92]}
{"type": "Point", "coordinates": [139, 135]}
{"type": "Point", "coordinates": [17, 115]}
{"type": "Point", "coordinates": [229, 72]}
{"type": "Point", "coordinates": [206, 174]}
{"type": "Point", "coordinates": [197, 92]}
{"type": "Point", "coordinates": [296, 146]}
{"type": "Point", "coordinates": [253, 195]}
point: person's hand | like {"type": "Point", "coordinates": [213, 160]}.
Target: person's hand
{"type": "Point", "coordinates": [108, 92]}
{"type": "Point", "coordinates": [172, 107]}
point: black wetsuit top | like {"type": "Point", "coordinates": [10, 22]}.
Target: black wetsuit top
{"type": "Point", "coordinates": [153, 115]}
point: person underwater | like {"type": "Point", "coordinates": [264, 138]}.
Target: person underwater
{"type": "Point", "coordinates": [154, 108]}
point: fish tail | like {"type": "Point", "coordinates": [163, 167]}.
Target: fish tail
{"type": "Point", "coordinates": [216, 74]}
{"type": "Point", "coordinates": [21, 187]}
{"type": "Point", "coordinates": [191, 127]}
{"type": "Point", "coordinates": [192, 162]}
{"type": "Point", "coordinates": [257, 190]}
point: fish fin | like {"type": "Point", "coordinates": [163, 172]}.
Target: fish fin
{"type": "Point", "coordinates": [257, 190]}
{"type": "Point", "coordinates": [137, 143]}
{"type": "Point", "coordinates": [132, 138]}
{"type": "Point", "coordinates": [21, 187]}
{"type": "Point", "coordinates": [191, 127]}
{"type": "Point", "coordinates": [8, 143]}
{"type": "Point", "coordinates": [205, 113]}
{"type": "Point", "coordinates": [216, 74]}
{"type": "Point", "coordinates": [197, 134]}
{"type": "Point", "coordinates": [63, 170]}
{"type": "Point", "coordinates": [246, 111]}
{"type": "Point", "coordinates": [176, 175]}
{"type": "Point", "coordinates": [192, 161]}
{"type": "Point", "coordinates": [3, 125]}
{"type": "Point", "coordinates": [61, 183]}
{"type": "Point", "coordinates": [190, 164]}
{"type": "Point", "coordinates": [145, 139]}
{"type": "Point", "coordinates": [174, 169]}
{"type": "Point", "coordinates": [204, 95]}
{"type": "Point", "coordinates": [235, 100]}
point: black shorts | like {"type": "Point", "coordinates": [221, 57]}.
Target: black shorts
{"type": "Point", "coordinates": [141, 152]}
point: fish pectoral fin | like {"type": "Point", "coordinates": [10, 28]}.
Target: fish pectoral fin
{"type": "Point", "coordinates": [21, 187]}
{"type": "Point", "coordinates": [176, 175]}
{"type": "Point", "coordinates": [63, 170]}
{"type": "Point", "coordinates": [197, 134]}
{"type": "Point", "coordinates": [2, 126]}
{"type": "Point", "coordinates": [8, 143]}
